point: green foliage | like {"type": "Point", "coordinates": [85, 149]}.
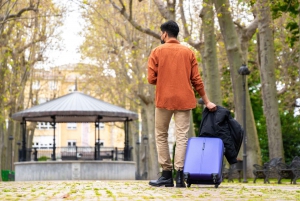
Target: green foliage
{"type": "Point", "coordinates": [290, 126]}
{"type": "Point", "coordinates": [284, 6]}
{"type": "Point", "coordinates": [197, 116]}
{"type": "Point", "coordinates": [43, 158]}
{"type": "Point", "coordinates": [292, 26]}
{"type": "Point", "coordinates": [290, 7]}
{"type": "Point", "coordinates": [227, 91]}
{"type": "Point", "coordinates": [260, 120]}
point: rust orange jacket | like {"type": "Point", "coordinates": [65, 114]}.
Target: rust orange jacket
{"type": "Point", "coordinates": [173, 68]}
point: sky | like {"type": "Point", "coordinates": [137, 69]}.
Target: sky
{"type": "Point", "coordinates": [71, 39]}
{"type": "Point", "coordinates": [70, 42]}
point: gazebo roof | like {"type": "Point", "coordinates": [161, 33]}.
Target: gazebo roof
{"type": "Point", "coordinates": [75, 107]}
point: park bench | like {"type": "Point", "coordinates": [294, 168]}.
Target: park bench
{"type": "Point", "coordinates": [268, 170]}
{"type": "Point", "coordinates": [104, 154]}
{"type": "Point", "coordinates": [234, 171]}
{"type": "Point", "coordinates": [68, 155]}
{"type": "Point", "coordinates": [107, 154]}
{"type": "Point", "coordinates": [289, 171]}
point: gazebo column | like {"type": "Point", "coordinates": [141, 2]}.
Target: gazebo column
{"type": "Point", "coordinates": [95, 150]}
{"type": "Point", "coordinates": [23, 152]}
{"type": "Point", "coordinates": [97, 143]}
{"type": "Point", "coordinates": [53, 123]}
{"type": "Point", "coordinates": [126, 148]}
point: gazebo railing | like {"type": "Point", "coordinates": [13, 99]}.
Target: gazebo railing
{"type": "Point", "coordinates": [74, 153]}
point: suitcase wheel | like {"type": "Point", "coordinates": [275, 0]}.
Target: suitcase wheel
{"type": "Point", "coordinates": [216, 185]}
{"type": "Point", "coordinates": [188, 184]}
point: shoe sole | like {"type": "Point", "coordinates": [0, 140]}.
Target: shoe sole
{"type": "Point", "coordinates": [166, 185]}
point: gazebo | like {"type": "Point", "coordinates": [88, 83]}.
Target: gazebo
{"type": "Point", "coordinates": [74, 107]}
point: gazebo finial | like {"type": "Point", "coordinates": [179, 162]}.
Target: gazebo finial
{"type": "Point", "coordinates": [75, 84]}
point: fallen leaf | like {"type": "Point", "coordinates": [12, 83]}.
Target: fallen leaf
{"type": "Point", "coordinates": [66, 196]}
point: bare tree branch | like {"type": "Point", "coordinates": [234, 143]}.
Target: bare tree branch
{"type": "Point", "coordinates": [133, 22]}
{"type": "Point", "coordinates": [3, 4]}
{"type": "Point", "coordinates": [251, 28]}
{"type": "Point", "coordinates": [162, 9]}
{"type": "Point", "coordinates": [130, 9]}
{"type": "Point", "coordinates": [42, 38]}
{"type": "Point", "coordinates": [185, 29]}
{"type": "Point", "coordinates": [19, 14]}
{"type": "Point", "coordinates": [123, 6]}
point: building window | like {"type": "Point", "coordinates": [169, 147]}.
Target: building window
{"type": "Point", "coordinates": [42, 100]}
{"type": "Point", "coordinates": [71, 143]}
{"type": "Point", "coordinates": [43, 126]}
{"type": "Point", "coordinates": [71, 88]}
{"type": "Point", "coordinates": [36, 85]}
{"type": "Point", "coordinates": [52, 85]}
{"type": "Point", "coordinates": [101, 126]}
{"type": "Point", "coordinates": [71, 126]}
{"type": "Point", "coordinates": [42, 142]}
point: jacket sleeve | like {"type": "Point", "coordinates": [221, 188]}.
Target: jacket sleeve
{"type": "Point", "coordinates": [152, 68]}
{"type": "Point", "coordinates": [224, 132]}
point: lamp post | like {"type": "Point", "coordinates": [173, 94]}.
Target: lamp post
{"type": "Point", "coordinates": [244, 71]}
{"type": "Point", "coordinates": [138, 176]}
{"type": "Point", "coordinates": [19, 151]}
{"type": "Point", "coordinates": [145, 173]}
{"type": "Point", "coordinates": [11, 176]}
{"type": "Point", "coordinates": [11, 147]}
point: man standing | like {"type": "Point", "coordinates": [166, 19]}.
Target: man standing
{"type": "Point", "coordinates": [173, 68]}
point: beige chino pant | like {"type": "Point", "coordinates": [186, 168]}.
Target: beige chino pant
{"type": "Point", "coordinates": [182, 125]}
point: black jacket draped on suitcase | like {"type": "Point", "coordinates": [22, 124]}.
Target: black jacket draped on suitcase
{"type": "Point", "coordinates": [220, 124]}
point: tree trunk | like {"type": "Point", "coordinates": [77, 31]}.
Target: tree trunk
{"type": "Point", "coordinates": [235, 59]}
{"type": "Point", "coordinates": [2, 147]}
{"type": "Point", "coordinates": [1, 142]}
{"type": "Point", "coordinates": [212, 83]}
{"type": "Point", "coordinates": [144, 144]}
{"type": "Point", "coordinates": [134, 142]}
{"type": "Point", "coordinates": [146, 94]}
{"type": "Point", "coordinates": [153, 166]}
{"type": "Point", "coordinates": [3, 71]}
{"type": "Point", "coordinates": [268, 80]}
{"type": "Point", "coordinates": [17, 141]}
{"type": "Point", "coordinates": [299, 39]}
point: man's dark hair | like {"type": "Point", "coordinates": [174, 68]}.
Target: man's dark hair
{"type": "Point", "coordinates": [171, 28]}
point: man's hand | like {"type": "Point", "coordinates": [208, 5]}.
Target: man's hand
{"type": "Point", "coordinates": [211, 106]}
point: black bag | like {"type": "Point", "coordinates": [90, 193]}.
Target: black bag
{"type": "Point", "coordinates": [220, 124]}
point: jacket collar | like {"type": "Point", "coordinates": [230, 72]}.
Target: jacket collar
{"type": "Point", "coordinates": [173, 41]}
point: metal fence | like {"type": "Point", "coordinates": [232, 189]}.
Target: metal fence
{"type": "Point", "coordinates": [74, 153]}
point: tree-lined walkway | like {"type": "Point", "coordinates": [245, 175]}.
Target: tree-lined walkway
{"type": "Point", "coordinates": [140, 190]}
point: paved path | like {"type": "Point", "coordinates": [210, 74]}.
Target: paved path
{"type": "Point", "coordinates": [140, 190]}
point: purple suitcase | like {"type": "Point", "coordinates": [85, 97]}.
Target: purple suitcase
{"type": "Point", "coordinates": [204, 161]}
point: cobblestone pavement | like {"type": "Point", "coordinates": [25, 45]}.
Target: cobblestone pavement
{"type": "Point", "coordinates": [140, 190]}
